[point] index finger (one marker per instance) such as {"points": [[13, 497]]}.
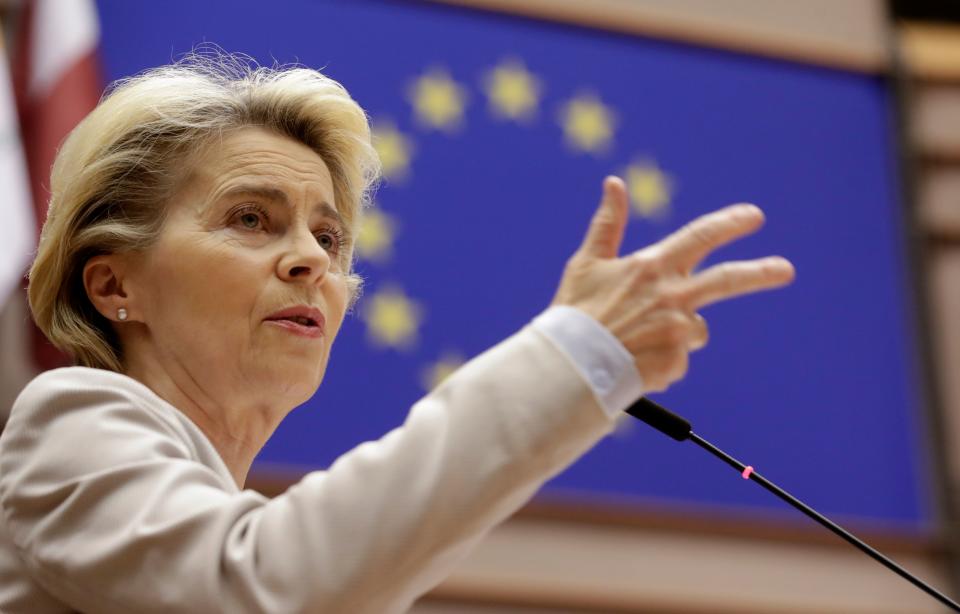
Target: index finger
{"points": [[687, 247]]}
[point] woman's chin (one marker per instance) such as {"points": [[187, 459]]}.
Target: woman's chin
{"points": [[294, 384]]}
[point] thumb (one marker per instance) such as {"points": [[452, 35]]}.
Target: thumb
{"points": [[607, 226]]}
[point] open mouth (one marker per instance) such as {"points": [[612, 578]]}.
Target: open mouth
{"points": [[304, 320], [299, 325], [301, 320]]}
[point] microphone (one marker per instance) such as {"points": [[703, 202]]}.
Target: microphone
{"points": [[679, 429]]}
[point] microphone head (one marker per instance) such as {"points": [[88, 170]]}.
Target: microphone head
{"points": [[662, 419]]}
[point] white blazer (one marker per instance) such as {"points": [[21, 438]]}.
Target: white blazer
{"points": [[113, 501]]}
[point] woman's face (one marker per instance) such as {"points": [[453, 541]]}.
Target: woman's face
{"points": [[253, 231]]}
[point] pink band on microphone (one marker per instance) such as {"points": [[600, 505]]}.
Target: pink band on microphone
{"points": [[746, 472]]}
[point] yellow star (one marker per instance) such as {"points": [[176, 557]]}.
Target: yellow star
{"points": [[394, 149], [392, 319], [650, 189], [377, 232], [438, 101], [513, 93], [587, 124], [433, 376]]}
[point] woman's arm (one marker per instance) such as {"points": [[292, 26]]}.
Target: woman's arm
{"points": [[112, 513]]}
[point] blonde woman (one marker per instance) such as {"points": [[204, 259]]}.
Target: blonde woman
{"points": [[196, 263]]}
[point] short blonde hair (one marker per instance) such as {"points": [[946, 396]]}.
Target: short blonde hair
{"points": [[115, 172]]}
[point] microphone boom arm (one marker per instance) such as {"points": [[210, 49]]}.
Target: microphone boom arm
{"points": [[679, 429]]}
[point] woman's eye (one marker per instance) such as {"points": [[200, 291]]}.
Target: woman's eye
{"points": [[330, 240], [250, 220], [326, 241], [250, 217]]}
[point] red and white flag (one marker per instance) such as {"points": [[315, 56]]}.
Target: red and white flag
{"points": [[57, 81], [17, 233]]}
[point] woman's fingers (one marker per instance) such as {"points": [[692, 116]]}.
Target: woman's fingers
{"points": [[700, 335], [662, 359], [661, 366], [605, 232], [731, 279], [667, 328], [649, 300], [685, 248]]}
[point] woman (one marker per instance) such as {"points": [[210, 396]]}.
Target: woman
{"points": [[196, 262]]}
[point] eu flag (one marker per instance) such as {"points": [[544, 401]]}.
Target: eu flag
{"points": [[495, 133]]}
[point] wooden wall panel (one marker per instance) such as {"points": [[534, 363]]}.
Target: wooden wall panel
{"points": [[938, 204], [850, 34], [935, 121], [944, 275], [564, 567], [931, 52]]}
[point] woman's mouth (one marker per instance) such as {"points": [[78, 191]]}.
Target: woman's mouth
{"points": [[302, 320], [298, 328]]}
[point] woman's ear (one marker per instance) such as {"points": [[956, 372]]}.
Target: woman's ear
{"points": [[103, 278]]}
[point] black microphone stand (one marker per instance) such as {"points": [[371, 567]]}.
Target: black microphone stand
{"points": [[679, 429]]}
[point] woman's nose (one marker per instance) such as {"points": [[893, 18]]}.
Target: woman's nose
{"points": [[305, 261]]}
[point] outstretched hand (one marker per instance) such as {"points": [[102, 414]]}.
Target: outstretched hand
{"points": [[649, 299]]}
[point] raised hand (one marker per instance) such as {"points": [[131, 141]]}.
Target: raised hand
{"points": [[649, 299]]}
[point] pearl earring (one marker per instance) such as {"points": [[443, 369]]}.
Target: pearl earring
{"points": [[121, 314]]}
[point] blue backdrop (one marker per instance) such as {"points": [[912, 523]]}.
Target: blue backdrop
{"points": [[496, 132]]}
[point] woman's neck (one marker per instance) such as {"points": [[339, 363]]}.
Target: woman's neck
{"points": [[237, 427]]}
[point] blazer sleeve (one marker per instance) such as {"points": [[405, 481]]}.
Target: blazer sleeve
{"points": [[111, 512]]}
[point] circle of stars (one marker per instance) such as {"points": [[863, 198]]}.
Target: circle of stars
{"points": [[439, 103]]}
